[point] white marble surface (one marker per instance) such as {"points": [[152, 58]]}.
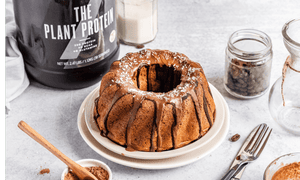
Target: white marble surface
{"points": [[199, 29]]}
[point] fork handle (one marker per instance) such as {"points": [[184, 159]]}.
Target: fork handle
{"points": [[239, 172], [235, 178], [229, 174], [232, 171]]}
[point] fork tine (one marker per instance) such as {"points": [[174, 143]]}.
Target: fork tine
{"points": [[259, 139], [264, 143], [250, 144]]}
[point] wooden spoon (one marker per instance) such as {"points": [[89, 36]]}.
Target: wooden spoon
{"points": [[80, 171]]}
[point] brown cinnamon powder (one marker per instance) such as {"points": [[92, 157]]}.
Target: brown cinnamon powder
{"points": [[97, 171], [288, 172], [71, 176], [46, 170]]}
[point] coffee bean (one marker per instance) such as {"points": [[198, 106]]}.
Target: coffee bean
{"points": [[241, 81], [235, 137], [251, 86], [244, 85], [246, 78], [244, 90]]}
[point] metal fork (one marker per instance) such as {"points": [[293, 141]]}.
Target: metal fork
{"points": [[250, 150]]}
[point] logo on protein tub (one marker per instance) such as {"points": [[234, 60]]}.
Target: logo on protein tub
{"points": [[88, 24]]}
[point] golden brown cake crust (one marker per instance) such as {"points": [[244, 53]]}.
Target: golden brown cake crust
{"points": [[168, 102]]}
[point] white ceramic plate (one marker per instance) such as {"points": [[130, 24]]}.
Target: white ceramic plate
{"points": [[92, 126], [153, 164]]}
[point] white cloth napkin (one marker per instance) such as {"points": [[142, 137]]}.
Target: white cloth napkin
{"points": [[16, 80]]}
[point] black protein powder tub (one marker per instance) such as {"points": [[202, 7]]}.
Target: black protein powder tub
{"points": [[67, 44]]}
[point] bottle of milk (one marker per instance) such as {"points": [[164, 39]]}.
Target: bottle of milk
{"points": [[136, 21]]}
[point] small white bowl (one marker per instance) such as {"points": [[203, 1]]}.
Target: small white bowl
{"points": [[89, 163]]}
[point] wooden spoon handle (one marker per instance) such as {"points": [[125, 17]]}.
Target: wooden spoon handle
{"points": [[40, 139], [79, 170]]}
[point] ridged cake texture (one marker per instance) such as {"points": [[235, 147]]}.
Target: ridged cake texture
{"points": [[154, 100]]}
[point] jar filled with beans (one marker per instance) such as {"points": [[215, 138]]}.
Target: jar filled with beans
{"points": [[248, 63]]}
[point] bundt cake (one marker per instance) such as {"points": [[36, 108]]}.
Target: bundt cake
{"points": [[154, 100]]}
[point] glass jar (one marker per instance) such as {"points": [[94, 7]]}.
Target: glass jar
{"points": [[136, 21], [248, 63], [284, 98]]}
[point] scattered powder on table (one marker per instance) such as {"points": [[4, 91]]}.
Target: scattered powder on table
{"points": [[46, 170], [97, 171]]}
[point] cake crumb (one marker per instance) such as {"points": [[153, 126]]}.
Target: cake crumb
{"points": [[46, 170], [140, 46], [97, 171]]}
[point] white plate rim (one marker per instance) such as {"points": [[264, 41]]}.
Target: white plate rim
{"points": [[89, 107], [154, 164]]}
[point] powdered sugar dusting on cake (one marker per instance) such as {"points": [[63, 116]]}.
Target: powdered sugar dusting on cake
{"points": [[133, 61]]}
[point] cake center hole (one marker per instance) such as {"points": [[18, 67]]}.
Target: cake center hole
{"points": [[156, 78]]}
